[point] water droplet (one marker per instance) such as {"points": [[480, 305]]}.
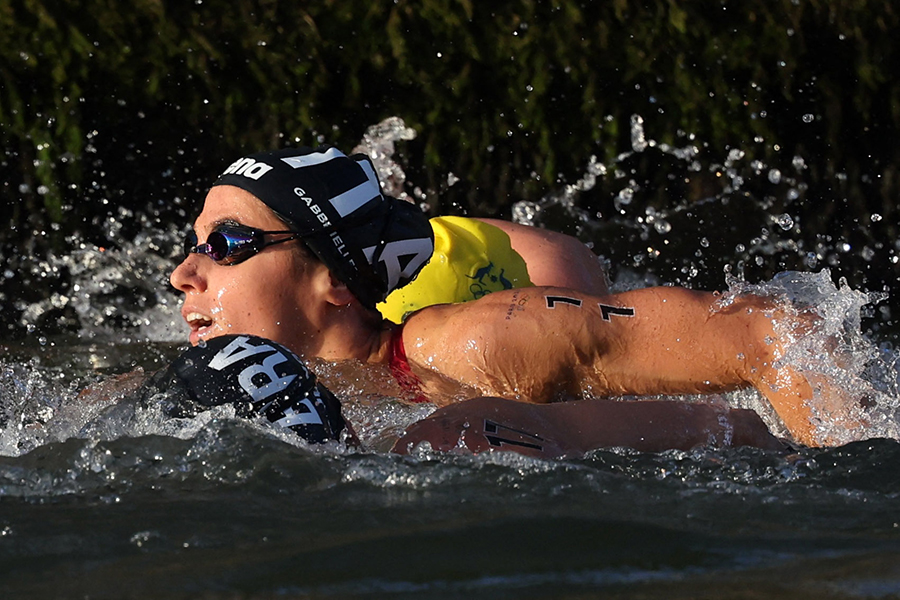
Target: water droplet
{"points": [[623, 198], [784, 221], [808, 118], [638, 140]]}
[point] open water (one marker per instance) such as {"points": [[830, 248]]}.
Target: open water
{"points": [[99, 499]]}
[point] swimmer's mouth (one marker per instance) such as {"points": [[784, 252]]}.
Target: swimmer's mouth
{"points": [[198, 321]]}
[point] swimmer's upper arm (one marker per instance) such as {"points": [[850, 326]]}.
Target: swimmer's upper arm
{"points": [[555, 259], [648, 341], [537, 344]]}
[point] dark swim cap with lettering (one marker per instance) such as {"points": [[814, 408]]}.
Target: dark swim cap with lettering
{"points": [[373, 243], [257, 376]]}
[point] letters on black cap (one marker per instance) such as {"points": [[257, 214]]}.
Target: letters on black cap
{"points": [[257, 376], [373, 243]]}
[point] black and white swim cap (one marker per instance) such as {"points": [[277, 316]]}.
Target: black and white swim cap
{"points": [[258, 377], [373, 243]]}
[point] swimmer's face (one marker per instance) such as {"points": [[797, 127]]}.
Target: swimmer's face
{"points": [[271, 294]]}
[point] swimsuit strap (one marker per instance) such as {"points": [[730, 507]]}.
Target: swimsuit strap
{"points": [[401, 370]]}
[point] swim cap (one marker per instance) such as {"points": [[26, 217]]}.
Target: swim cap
{"points": [[258, 377], [373, 243], [471, 259]]}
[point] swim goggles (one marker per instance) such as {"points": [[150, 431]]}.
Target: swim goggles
{"points": [[232, 244]]}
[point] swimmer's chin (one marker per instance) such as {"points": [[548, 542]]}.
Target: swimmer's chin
{"points": [[204, 333]]}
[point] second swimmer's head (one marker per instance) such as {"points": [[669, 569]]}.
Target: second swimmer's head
{"points": [[372, 243]]}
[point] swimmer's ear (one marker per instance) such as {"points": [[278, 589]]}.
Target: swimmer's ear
{"points": [[338, 293]]}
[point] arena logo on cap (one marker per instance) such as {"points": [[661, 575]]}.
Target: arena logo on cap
{"points": [[248, 167]]}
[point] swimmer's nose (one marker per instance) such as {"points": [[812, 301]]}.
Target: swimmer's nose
{"points": [[186, 277]]}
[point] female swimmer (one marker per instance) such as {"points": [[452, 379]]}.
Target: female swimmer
{"points": [[300, 245]]}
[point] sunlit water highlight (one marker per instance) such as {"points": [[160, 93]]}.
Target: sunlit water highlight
{"points": [[97, 494]]}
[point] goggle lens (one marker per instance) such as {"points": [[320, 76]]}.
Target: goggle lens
{"points": [[230, 245]]}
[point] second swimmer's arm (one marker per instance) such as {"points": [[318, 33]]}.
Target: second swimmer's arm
{"points": [[569, 429]]}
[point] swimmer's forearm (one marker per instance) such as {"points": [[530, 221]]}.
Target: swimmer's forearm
{"points": [[113, 388], [680, 342], [573, 428], [692, 345]]}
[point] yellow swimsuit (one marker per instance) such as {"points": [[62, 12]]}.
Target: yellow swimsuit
{"points": [[470, 259]]}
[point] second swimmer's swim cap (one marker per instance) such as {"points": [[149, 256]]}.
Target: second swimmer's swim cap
{"points": [[256, 376], [373, 243]]}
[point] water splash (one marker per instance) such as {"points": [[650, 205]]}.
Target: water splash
{"points": [[647, 210], [856, 391], [120, 293], [379, 144]]}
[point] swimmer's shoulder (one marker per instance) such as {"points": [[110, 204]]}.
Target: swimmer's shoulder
{"points": [[448, 332]]}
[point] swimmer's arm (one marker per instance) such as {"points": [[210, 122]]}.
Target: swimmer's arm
{"points": [[570, 429], [113, 388], [537, 343], [680, 341], [555, 259], [663, 340]]}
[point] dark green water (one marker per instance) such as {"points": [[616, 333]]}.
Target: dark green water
{"points": [[154, 517]]}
